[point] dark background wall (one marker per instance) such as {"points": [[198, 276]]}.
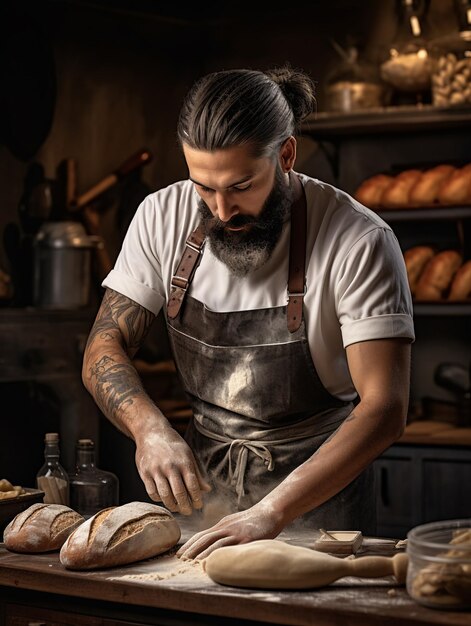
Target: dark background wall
{"points": [[121, 70]]}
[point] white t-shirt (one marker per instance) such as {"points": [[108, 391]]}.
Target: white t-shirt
{"points": [[356, 282]]}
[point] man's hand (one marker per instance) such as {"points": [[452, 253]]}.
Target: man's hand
{"points": [[169, 471], [258, 522]]}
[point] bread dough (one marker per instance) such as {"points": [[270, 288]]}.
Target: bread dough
{"points": [[274, 564]]}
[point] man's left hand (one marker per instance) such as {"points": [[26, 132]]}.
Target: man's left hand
{"points": [[258, 522]]}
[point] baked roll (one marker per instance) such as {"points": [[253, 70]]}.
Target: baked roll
{"points": [[416, 259], [438, 275], [425, 191], [461, 286], [397, 194], [457, 188], [370, 191]]}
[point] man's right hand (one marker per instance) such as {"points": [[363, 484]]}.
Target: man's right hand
{"points": [[169, 470]]}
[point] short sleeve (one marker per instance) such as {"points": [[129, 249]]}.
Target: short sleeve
{"points": [[373, 298], [137, 272]]}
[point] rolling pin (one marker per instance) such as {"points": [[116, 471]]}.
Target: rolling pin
{"points": [[274, 564]]}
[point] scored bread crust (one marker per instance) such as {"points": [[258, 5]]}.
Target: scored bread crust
{"points": [[461, 286], [438, 275], [41, 528], [121, 535]]}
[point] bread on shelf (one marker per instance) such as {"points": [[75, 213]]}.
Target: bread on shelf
{"points": [[441, 185], [397, 193], [457, 188], [425, 191], [370, 191], [461, 285], [416, 259], [437, 275]]}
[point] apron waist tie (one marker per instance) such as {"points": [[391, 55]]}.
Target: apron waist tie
{"points": [[237, 474]]}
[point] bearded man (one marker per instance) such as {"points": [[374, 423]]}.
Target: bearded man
{"points": [[289, 315]]}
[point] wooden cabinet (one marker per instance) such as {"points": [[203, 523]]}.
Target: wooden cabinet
{"points": [[419, 484]]}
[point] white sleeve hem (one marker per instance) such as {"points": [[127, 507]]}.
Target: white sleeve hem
{"points": [[134, 290], [378, 327]]}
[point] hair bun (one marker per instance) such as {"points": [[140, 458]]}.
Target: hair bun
{"points": [[298, 89]]}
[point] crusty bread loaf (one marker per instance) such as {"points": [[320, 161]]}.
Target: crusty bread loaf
{"points": [[397, 194], [457, 188], [120, 535], [461, 286], [370, 191], [425, 191], [41, 528], [416, 259], [438, 275]]}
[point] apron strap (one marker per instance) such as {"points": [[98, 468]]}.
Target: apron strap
{"points": [[194, 246], [185, 271], [297, 257]]}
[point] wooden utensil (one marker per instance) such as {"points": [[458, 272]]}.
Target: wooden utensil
{"points": [[274, 564]]}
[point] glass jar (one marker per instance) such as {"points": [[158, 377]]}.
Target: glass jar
{"points": [[52, 477], [439, 571], [91, 489], [354, 85], [408, 67], [451, 78]]}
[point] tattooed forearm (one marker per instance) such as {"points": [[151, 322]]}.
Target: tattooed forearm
{"points": [[116, 385], [120, 314], [108, 373]]}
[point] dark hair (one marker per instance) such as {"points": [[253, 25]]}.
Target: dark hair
{"points": [[236, 107]]}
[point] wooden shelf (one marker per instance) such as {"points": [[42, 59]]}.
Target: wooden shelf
{"points": [[425, 214], [386, 120], [442, 309]]}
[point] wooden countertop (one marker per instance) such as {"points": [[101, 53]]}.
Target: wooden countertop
{"points": [[434, 432], [169, 583]]}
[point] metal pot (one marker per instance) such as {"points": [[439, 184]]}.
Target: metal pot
{"points": [[62, 265]]}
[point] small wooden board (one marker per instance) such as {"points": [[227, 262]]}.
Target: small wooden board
{"points": [[344, 542]]}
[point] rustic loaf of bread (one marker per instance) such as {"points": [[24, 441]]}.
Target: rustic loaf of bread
{"points": [[370, 191], [461, 286], [438, 275], [120, 535], [457, 188], [425, 191], [397, 194], [41, 528]]}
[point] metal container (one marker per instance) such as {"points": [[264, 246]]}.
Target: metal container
{"points": [[62, 265]]}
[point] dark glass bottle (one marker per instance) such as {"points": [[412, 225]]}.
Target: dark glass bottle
{"points": [[91, 489], [52, 477]]}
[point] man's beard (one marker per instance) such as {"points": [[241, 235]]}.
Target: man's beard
{"points": [[247, 250]]}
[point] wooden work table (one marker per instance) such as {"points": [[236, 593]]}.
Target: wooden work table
{"points": [[37, 589]]}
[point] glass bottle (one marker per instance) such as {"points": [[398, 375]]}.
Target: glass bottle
{"points": [[408, 68], [91, 489], [52, 477]]}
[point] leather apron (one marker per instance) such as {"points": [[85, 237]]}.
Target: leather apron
{"points": [[260, 409]]}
